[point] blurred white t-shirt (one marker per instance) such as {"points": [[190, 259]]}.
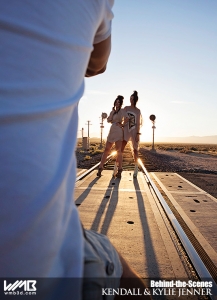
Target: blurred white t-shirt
{"points": [[45, 47]]}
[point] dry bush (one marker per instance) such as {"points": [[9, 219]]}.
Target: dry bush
{"points": [[98, 151], [87, 157]]}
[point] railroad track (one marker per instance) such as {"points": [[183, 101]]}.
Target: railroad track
{"points": [[201, 266], [128, 161]]}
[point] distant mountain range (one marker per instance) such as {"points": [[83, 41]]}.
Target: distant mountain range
{"points": [[189, 139]]}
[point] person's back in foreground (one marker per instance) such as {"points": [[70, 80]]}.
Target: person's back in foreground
{"points": [[44, 53]]}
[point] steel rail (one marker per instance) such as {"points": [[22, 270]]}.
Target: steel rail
{"points": [[198, 264], [94, 167]]}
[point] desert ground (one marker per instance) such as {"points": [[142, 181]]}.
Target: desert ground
{"points": [[197, 163]]}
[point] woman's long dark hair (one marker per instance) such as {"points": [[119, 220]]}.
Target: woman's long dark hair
{"points": [[135, 97], [121, 99]]}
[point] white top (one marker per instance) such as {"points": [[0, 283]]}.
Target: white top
{"points": [[45, 47], [133, 125]]}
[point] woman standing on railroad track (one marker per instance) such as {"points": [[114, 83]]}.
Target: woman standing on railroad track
{"points": [[132, 128], [118, 117]]}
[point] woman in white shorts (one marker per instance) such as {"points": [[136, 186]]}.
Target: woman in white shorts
{"points": [[118, 118]]}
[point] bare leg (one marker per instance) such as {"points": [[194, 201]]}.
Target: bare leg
{"points": [[105, 153], [136, 162], [118, 146], [123, 145], [136, 155]]}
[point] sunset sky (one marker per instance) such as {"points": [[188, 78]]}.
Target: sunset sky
{"points": [[167, 51]]}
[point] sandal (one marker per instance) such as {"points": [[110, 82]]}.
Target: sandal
{"points": [[135, 171], [99, 172], [118, 175]]}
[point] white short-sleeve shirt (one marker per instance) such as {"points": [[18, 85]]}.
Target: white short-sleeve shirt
{"points": [[45, 47]]}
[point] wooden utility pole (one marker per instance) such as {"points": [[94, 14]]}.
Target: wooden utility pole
{"points": [[88, 129]]}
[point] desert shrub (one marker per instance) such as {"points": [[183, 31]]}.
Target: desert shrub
{"points": [[178, 148], [98, 151], [92, 149], [87, 157], [161, 148], [186, 151], [193, 148]]}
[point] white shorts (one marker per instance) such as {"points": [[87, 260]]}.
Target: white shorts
{"points": [[102, 266]]}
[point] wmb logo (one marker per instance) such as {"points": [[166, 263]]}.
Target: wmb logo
{"points": [[28, 287]]}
